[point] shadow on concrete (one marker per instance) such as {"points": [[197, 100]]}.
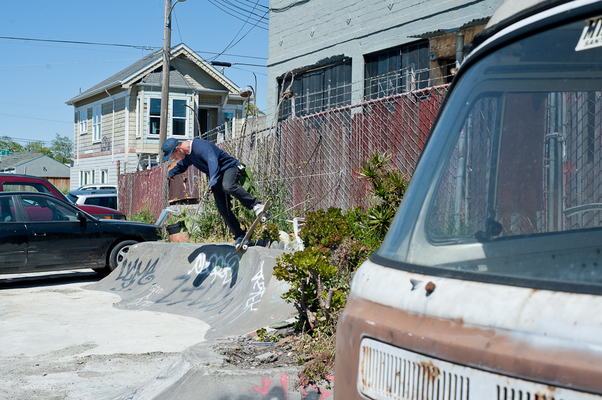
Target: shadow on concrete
{"points": [[42, 279]]}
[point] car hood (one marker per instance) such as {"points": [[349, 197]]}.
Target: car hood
{"points": [[134, 229]]}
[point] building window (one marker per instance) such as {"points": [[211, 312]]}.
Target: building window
{"points": [[83, 122], [396, 70], [138, 113], [316, 88], [104, 176], [86, 177], [96, 120], [154, 112], [179, 118]]}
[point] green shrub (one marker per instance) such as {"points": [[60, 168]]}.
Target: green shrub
{"points": [[325, 228], [143, 216]]}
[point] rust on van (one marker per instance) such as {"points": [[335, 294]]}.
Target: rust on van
{"points": [[492, 350]]}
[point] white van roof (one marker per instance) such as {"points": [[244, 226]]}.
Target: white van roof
{"points": [[510, 8]]}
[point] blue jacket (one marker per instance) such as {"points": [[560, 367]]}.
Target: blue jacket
{"points": [[208, 158]]}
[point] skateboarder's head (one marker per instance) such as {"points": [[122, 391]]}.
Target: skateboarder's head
{"points": [[170, 149]]}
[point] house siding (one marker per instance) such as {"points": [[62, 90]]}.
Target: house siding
{"points": [[109, 162], [318, 29], [125, 110]]}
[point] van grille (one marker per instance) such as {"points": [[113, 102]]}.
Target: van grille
{"points": [[504, 393], [391, 373], [393, 376]]}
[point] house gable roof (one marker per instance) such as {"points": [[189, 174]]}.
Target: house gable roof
{"points": [[14, 160], [147, 65]]}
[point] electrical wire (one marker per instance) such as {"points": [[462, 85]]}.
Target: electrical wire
{"points": [[235, 16], [258, 5], [246, 70], [77, 42], [286, 8], [231, 55], [244, 10], [148, 48], [230, 45]]}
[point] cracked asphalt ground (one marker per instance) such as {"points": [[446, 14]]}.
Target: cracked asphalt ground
{"points": [[60, 341]]}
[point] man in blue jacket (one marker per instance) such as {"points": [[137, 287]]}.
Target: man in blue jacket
{"points": [[223, 171]]}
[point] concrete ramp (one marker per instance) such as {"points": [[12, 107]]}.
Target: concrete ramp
{"points": [[233, 293]]}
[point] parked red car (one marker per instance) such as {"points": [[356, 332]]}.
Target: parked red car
{"points": [[29, 183]]}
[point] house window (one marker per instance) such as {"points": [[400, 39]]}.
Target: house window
{"points": [[83, 122], [86, 177], [179, 118], [96, 120], [154, 116], [104, 176], [138, 111], [396, 70], [317, 88]]}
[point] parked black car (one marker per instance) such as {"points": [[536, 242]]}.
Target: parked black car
{"points": [[39, 232]]}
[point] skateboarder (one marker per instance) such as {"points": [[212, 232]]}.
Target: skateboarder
{"points": [[223, 171]]}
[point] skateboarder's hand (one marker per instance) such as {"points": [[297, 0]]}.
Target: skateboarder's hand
{"points": [[211, 190]]}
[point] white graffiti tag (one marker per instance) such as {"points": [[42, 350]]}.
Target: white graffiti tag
{"points": [[222, 269], [200, 263], [144, 301], [258, 284], [256, 296]]}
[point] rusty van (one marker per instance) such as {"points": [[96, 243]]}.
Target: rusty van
{"points": [[488, 284]]}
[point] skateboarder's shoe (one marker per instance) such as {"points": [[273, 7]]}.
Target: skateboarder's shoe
{"points": [[258, 209], [239, 241]]}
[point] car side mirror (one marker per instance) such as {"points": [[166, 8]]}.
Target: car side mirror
{"points": [[80, 216]]}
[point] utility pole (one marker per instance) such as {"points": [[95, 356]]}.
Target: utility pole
{"points": [[165, 77]]}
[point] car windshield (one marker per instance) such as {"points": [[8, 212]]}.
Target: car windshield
{"points": [[510, 184]]}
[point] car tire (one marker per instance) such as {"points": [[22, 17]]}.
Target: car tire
{"points": [[118, 253]]}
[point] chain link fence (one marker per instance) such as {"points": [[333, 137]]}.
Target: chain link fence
{"points": [[534, 169], [312, 161]]}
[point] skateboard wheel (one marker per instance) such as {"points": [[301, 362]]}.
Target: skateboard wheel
{"points": [[245, 247], [263, 219]]}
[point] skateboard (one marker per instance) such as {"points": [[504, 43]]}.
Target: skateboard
{"points": [[260, 218]]}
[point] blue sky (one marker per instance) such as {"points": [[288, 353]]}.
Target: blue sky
{"points": [[37, 78]]}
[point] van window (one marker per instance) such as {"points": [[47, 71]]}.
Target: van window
{"points": [[517, 195]]}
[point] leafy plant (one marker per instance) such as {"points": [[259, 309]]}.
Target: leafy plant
{"points": [[143, 216], [325, 228], [311, 276], [388, 187]]}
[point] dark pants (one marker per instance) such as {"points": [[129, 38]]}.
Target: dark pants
{"points": [[227, 187]]}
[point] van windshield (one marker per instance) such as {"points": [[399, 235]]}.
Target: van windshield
{"points": [[510, 185]]}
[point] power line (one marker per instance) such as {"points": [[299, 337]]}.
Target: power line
{"points": [[230, 45], [246, 70], [149, 48], [258, 5], [38, 119], [26, 140], [251, 65], [238, 41], [78, 42], [235, 16], [244, 10], [231, 55], [286, 8], [70, 63]]}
